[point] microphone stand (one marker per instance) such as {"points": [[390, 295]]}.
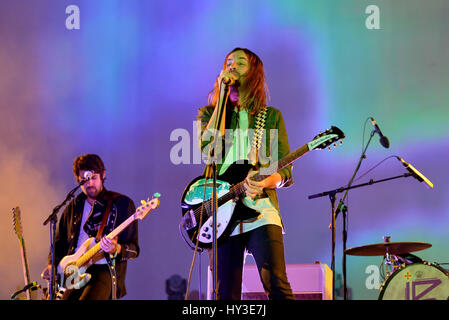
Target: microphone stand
{"points": [[343, 208], [331, 195], [211, 170], [53, 218]]}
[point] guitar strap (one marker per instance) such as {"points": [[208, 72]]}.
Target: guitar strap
{"points": [[105, 218], [257, 138], [255, 145]]}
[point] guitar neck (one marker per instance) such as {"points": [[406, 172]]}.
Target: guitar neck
{"points": [[239, 189], [26, 271], [288, 159], [96, 248], [285, 161], [319, 142]]}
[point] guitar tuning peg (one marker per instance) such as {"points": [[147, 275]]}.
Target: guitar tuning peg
{"points": [[329, 148], [341, 141], [143, 202], [335, 144]]}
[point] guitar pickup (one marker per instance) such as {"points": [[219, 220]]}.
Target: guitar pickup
{"points": [[189, 220]]}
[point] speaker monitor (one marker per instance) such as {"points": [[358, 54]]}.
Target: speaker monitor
{"points": [[308, 282]]}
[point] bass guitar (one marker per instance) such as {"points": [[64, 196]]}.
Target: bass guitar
{"points": [[196, 202], [71, 271]]}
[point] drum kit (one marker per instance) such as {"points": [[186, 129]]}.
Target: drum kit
{"points": [[408, 277]]}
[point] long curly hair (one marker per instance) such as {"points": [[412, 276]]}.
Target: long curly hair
{"points": [[254, 92]]}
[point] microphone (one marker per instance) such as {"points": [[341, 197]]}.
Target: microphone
{"points": [[418, 175], [228, 81], [87, 176], [383, 139]]}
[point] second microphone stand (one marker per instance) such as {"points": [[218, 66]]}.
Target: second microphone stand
{"points": [[341, 207]]}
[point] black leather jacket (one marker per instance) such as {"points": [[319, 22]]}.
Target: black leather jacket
{"points": [[68, 231]]}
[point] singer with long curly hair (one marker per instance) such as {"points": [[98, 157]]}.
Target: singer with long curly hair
{"points": [[262, 234]]}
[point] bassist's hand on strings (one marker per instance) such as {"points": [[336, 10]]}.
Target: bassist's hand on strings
{"points": [[110, 245]]}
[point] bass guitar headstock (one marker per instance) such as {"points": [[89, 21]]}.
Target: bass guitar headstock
{"points": [[146, 206]]}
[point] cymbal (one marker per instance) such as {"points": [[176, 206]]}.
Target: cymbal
{"points": [[380, 249]]}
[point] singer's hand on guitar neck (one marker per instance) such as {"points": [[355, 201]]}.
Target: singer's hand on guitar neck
{"points": [[255, 188]]}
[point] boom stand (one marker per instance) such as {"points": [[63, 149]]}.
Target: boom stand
{"points": [[53, 218], [342, 207]]}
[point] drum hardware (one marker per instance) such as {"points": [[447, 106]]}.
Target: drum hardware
{"points": [[408, 277], [390, 260], [395, 248], [395, 253], [391, 264], [408, 258]]}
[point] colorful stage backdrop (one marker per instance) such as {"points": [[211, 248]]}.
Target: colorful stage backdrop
{"points": [[117, 78]]}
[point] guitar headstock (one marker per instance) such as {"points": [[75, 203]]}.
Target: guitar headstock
{"points": [[326, 138], [146, 206], [16, 217]]}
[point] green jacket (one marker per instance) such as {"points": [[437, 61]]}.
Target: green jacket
{"points": [[274, 120]]}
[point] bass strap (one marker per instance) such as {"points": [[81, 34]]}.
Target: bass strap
{"points": [[105, 217]]}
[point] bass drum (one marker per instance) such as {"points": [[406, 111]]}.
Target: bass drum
{"points": [[416, 281]]}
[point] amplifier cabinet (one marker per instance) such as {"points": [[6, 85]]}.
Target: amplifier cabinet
{"points": [[308, 282]]}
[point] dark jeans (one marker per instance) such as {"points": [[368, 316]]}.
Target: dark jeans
{"points": [[99, 286], [267, 247]]}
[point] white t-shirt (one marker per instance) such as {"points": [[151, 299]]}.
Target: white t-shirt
{"points": [[83, 236], [239, 151]]}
